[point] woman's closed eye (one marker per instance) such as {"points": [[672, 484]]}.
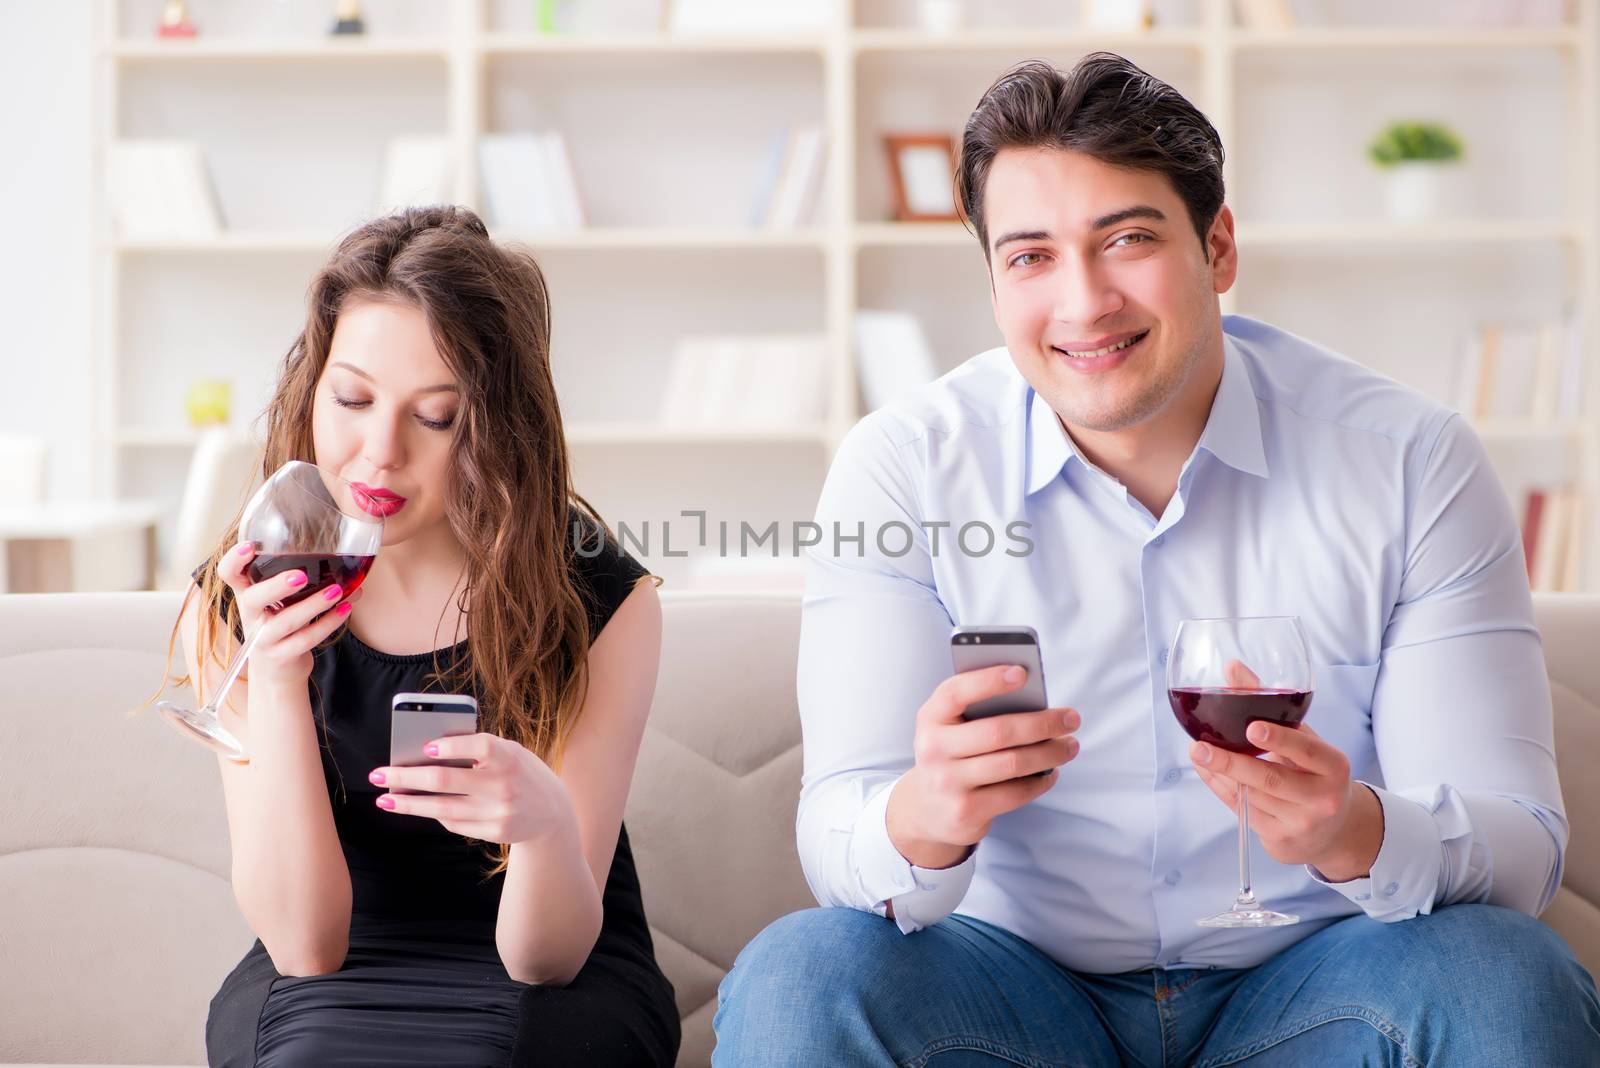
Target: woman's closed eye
{"points": [[357, 404]]}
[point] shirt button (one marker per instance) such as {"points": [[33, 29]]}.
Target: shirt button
{"points": [[1363, 897], [1389, 891], [1173, 877], [1158, 540], [1162, 656], [1172, 776]]}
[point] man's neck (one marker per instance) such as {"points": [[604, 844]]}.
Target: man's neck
{"points": [[1148, 457]]}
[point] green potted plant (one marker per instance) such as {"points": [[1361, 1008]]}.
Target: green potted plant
{"points": [[1414, 156]]}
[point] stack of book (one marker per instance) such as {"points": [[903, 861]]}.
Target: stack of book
{"points": [[791, 179], [1523, 372], [1552, 538], [528, 182], [757, 382]]}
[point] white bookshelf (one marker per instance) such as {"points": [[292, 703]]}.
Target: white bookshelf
{"points": [[668, 133]]}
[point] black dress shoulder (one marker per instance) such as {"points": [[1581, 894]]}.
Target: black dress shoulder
{"points": [[422, 983]]}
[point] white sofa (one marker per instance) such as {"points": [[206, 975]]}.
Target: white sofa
{"points": [[116, 920]]}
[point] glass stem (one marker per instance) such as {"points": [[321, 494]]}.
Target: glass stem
{"points": [[234, 670], [1245, 896]]}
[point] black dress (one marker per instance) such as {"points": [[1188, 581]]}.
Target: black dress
{"points": [[423, 983]]}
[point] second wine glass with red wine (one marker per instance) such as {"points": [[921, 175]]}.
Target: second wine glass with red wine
{"points": [[1222, 676], [304, 518]]}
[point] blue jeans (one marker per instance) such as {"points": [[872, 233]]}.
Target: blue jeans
{"points": [[1469, 985]]}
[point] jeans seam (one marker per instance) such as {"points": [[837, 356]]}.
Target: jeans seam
{"points": [[1347, 1012], [982, 1045]]}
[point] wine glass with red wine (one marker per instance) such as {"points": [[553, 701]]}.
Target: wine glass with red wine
{"points": [[301, 518], [1222, 676]]}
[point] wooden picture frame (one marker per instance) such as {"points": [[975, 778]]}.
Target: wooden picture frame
{"points": [[922, 172]]}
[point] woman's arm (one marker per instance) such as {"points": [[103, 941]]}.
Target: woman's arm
{"points": [[289, 873], [550, 907]]}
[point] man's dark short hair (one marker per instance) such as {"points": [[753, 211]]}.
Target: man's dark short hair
{"points": [[1104, 107]]}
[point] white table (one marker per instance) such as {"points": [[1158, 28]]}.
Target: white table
{"points": [[62, 546]]}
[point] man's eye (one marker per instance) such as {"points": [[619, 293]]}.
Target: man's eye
{"points": [[1027, 259], [1131, 237]]}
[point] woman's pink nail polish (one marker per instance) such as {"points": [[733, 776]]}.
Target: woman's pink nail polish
{"points": [[247, 548], [333, 592], [344, 609], [376, 778], [431, 750], [386, 802], [297, 578]]}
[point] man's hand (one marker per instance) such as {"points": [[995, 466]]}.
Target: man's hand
{"points": [[1303, 803], [966, 774]]}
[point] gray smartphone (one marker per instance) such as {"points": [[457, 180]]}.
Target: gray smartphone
{"points": [[419, 718], [972, 648]]}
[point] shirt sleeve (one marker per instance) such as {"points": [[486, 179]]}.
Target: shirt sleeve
{"points": [[874, 643], [1461, 712]]}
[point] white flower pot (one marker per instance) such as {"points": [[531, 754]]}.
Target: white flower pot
{"points": [[1419, 190]]}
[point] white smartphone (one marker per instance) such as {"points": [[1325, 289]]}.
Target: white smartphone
{"points": [[972, 648], [419, 718]]}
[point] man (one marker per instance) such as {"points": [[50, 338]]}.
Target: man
{"points": [[1167, 464]]}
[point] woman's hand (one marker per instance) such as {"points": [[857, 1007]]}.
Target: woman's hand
{"points": [[283, 652], [509, 795]]}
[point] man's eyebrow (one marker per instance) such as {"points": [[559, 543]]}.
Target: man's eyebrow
{"points": [[353, 369], [1138, 211]]}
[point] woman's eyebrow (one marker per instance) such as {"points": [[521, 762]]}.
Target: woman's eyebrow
{"points": [[353, 369]]}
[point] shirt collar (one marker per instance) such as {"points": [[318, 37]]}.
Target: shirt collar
{"points": [[1232, 433]]}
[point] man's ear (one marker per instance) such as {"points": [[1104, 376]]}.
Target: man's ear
{"points": [[1223, 251]]}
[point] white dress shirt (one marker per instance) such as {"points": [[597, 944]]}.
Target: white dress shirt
{"points": [[1318, 489]]}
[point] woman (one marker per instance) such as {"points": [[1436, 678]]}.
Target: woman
{"points": [[504, 925]]}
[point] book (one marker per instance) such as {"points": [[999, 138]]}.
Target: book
{"points": [[161, 189], [1265, 14], [892, 355], [528, 182], [1549, 554], [794, 199], [756, 382], [747, 16], [417, 170], [1532, 514], [1525, 372], [768, 177]]}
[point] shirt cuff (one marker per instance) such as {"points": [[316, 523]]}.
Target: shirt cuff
{"points": [[921, 896], [1404, 879]]}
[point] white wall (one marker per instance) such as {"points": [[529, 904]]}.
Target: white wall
{"points": [[45, 297]]}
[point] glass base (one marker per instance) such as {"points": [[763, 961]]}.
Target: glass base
{"points": [[204, 727], [1248, 914]]}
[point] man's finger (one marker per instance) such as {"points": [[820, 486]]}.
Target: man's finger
{"points": [[1300, 745], [987, 769], [1263, 810], [993, 733], [1275, 779], [954, 695], [1239, 677]]}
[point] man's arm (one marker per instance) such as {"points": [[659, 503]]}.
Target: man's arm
{"points": [[1461, 711], [871, 640]]}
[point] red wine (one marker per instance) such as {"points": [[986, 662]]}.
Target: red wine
{"points": [[322, 570], [1219, 715]]}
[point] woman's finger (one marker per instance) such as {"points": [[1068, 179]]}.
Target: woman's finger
{"points": [[320, 629], [230, 569], [455, 809]]}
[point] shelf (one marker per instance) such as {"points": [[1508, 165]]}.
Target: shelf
{"points": [[1395, 234], [202, 49], [1424, 39], [675, 239], [582, 434], [244, 242], [506, 44], [912, 235], [1023, 42]]}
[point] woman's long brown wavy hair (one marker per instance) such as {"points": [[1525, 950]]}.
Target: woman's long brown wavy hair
{"points": [[510, 503]]}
